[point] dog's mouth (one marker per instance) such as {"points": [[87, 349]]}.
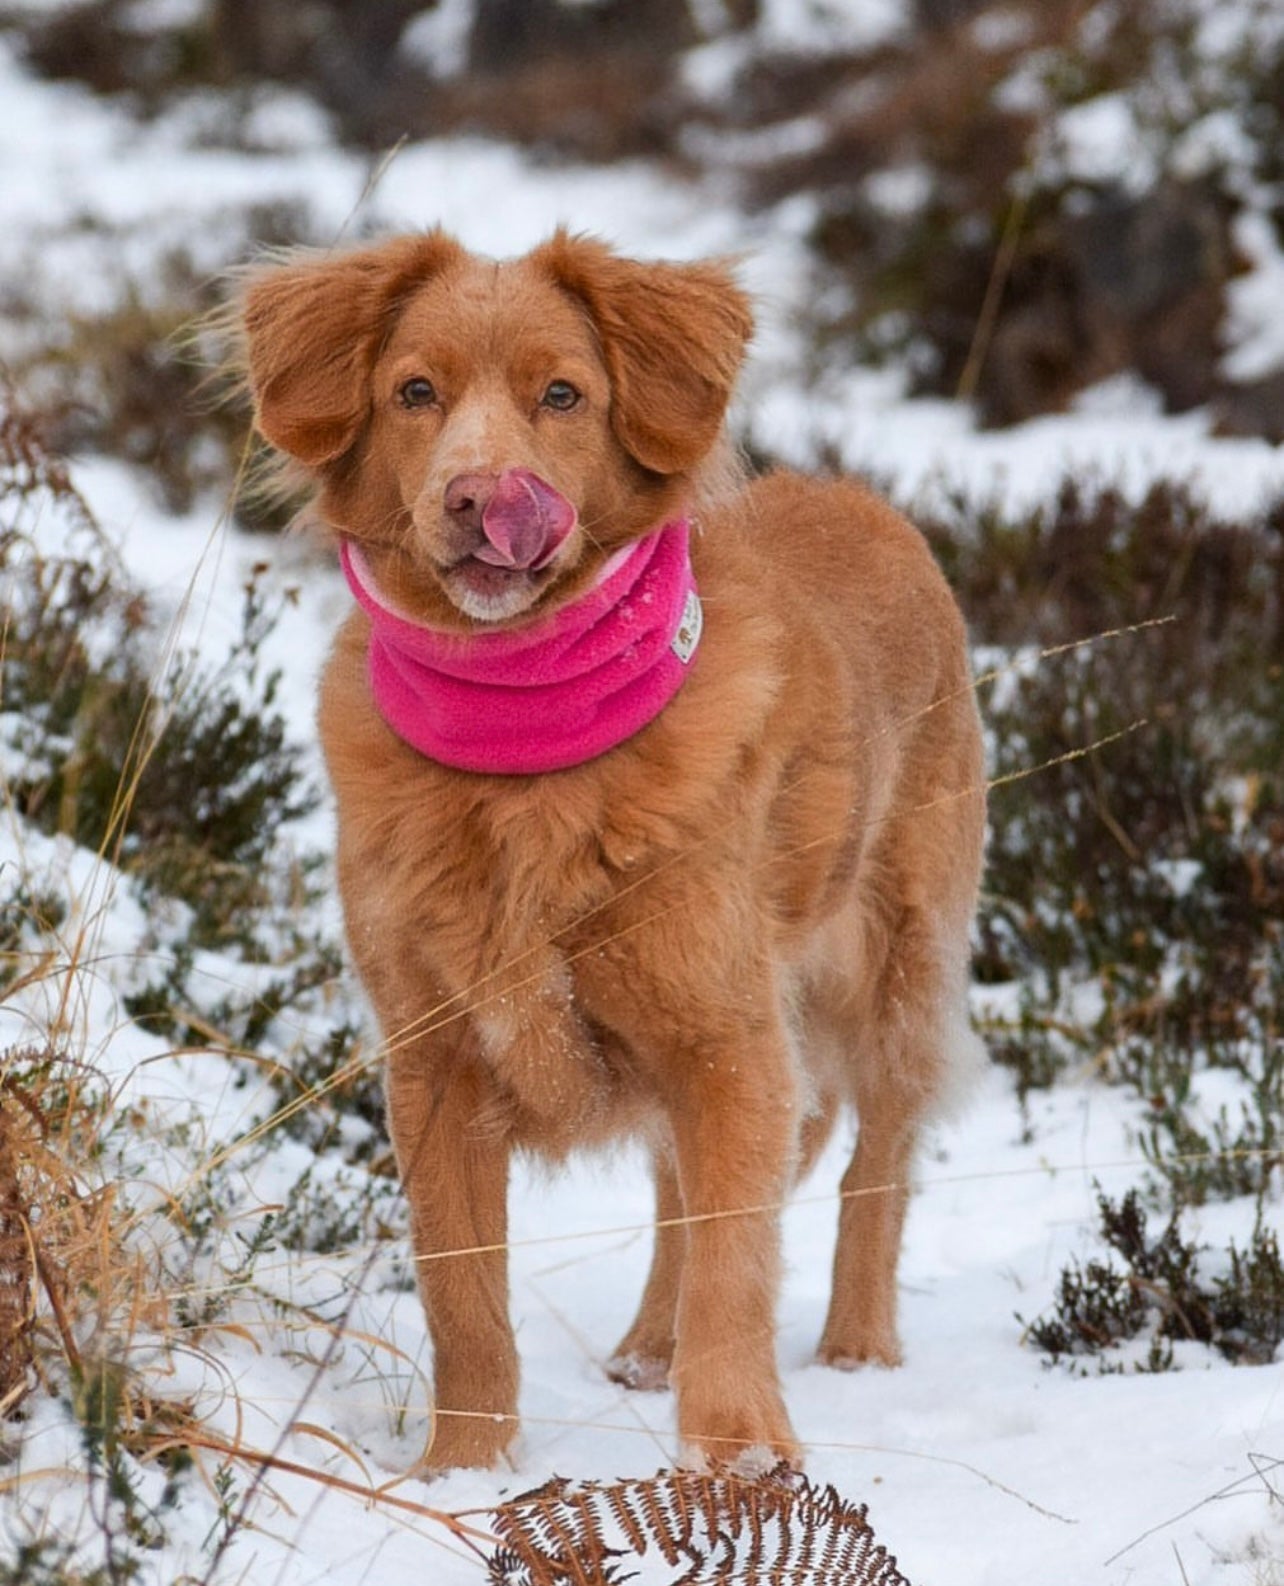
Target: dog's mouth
{"points": [[489, 592], [521, 523]]}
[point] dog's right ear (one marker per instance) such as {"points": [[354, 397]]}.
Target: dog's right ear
{"points": [[313, 327]]}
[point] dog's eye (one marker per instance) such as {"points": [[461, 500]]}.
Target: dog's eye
{"points": [[417, 393], [561, 395]]}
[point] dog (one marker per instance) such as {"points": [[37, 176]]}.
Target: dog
{"points": [[660, 796]]}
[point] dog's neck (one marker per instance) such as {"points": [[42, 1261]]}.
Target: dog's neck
{"points": [[554, 693]]}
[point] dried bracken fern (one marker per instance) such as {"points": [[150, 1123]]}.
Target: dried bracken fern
{"points": [[686, 1529]]}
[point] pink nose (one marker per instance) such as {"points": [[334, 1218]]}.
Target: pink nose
{"points": [[524, 520], [468, 494]]}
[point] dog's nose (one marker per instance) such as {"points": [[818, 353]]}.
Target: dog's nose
{"points": [[468, 495]]}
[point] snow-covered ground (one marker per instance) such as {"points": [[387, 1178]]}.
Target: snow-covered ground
{"points": [[979, 1465]]}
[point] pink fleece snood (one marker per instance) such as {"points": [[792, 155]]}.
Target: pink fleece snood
{"points": [[560, 691]]}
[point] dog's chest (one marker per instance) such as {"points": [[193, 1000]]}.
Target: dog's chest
{"points": [[524, 885], [526, 936]]}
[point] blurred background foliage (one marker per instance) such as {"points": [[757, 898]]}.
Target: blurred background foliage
{"points": [[962, 219]]}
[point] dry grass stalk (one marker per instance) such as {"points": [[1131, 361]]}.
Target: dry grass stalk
{"points": [[70, 1296], [16, 1269], [47, 1221]]}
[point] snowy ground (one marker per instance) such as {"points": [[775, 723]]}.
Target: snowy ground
{"points": [[979, 1465]]}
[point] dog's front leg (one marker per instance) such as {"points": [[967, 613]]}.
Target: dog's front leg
{"points": [[452, 1154], [735, 1137]]}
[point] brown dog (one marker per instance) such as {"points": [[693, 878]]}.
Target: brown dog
{"points": [[710, 926]]}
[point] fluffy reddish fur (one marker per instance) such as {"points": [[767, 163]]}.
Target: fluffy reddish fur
{"points": [[751, 913]]}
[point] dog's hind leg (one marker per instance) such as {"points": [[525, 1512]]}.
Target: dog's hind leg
{"points": [[645, 1353], [861, 1325], [909, 1057]]}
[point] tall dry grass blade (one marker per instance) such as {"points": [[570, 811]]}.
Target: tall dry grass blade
{"points": [[17, 1270]]}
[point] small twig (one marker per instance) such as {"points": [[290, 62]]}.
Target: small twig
{"points": [[1232, 1489], [380, 1497], [999, 273], [371, 183]]}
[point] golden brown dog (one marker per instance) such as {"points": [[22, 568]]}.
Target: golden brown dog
{"points": [[749, 911]]}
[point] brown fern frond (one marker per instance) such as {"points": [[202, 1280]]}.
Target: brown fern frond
{"points": [[687, 1529]]}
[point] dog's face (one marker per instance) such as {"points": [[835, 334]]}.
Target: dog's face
{"points": [[491, 432]]}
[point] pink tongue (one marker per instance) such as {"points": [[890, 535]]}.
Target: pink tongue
{"points": [[524, 521]]}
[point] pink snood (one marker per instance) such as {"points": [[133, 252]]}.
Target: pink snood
{"points": [[563, 690]]}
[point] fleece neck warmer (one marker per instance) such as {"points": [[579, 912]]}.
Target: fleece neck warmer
{"points": [[562, 690]]}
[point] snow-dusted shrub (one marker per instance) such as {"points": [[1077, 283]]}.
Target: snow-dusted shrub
{"points": [[183, 776], [1164, 1293]]}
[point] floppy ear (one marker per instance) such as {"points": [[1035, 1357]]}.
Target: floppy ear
{"points": [[313, 327], [673, 337]]}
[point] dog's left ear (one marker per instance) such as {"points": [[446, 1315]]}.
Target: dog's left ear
{"points": [[673, 337]]}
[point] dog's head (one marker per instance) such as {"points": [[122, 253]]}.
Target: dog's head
{"points": [[490, 432]]}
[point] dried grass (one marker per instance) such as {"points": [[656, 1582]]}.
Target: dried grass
{"points": [[70, 1288]]}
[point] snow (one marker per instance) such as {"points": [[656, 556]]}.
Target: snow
{"points": [[1115, 433], [980, 1466], [438, 38], [1089, 139], [822, 26], [1256, 334]]}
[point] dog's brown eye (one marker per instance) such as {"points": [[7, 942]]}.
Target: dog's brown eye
{"points": [[417, 393], [560, 395]]}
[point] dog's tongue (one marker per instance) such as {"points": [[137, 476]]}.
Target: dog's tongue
{"points": [[524, 521]]}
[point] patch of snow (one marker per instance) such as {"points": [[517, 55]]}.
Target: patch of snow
{"points": [[781, 140], [1182, 875], [1121, 396], [828, 26], [1024, 91], [931, 445], [23, 9], [1101, 141], [1256, 330], [900, 190], [282, 122], [1225, 31], [152, 16], [437, 38], [996, 29], [710, 70], [1216, 141], [632, 205]]}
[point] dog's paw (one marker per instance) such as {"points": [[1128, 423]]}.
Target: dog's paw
{"points": [[754, 1463], [747, 1439], [645, 1373], [478, 1442], [851, 1355]]}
